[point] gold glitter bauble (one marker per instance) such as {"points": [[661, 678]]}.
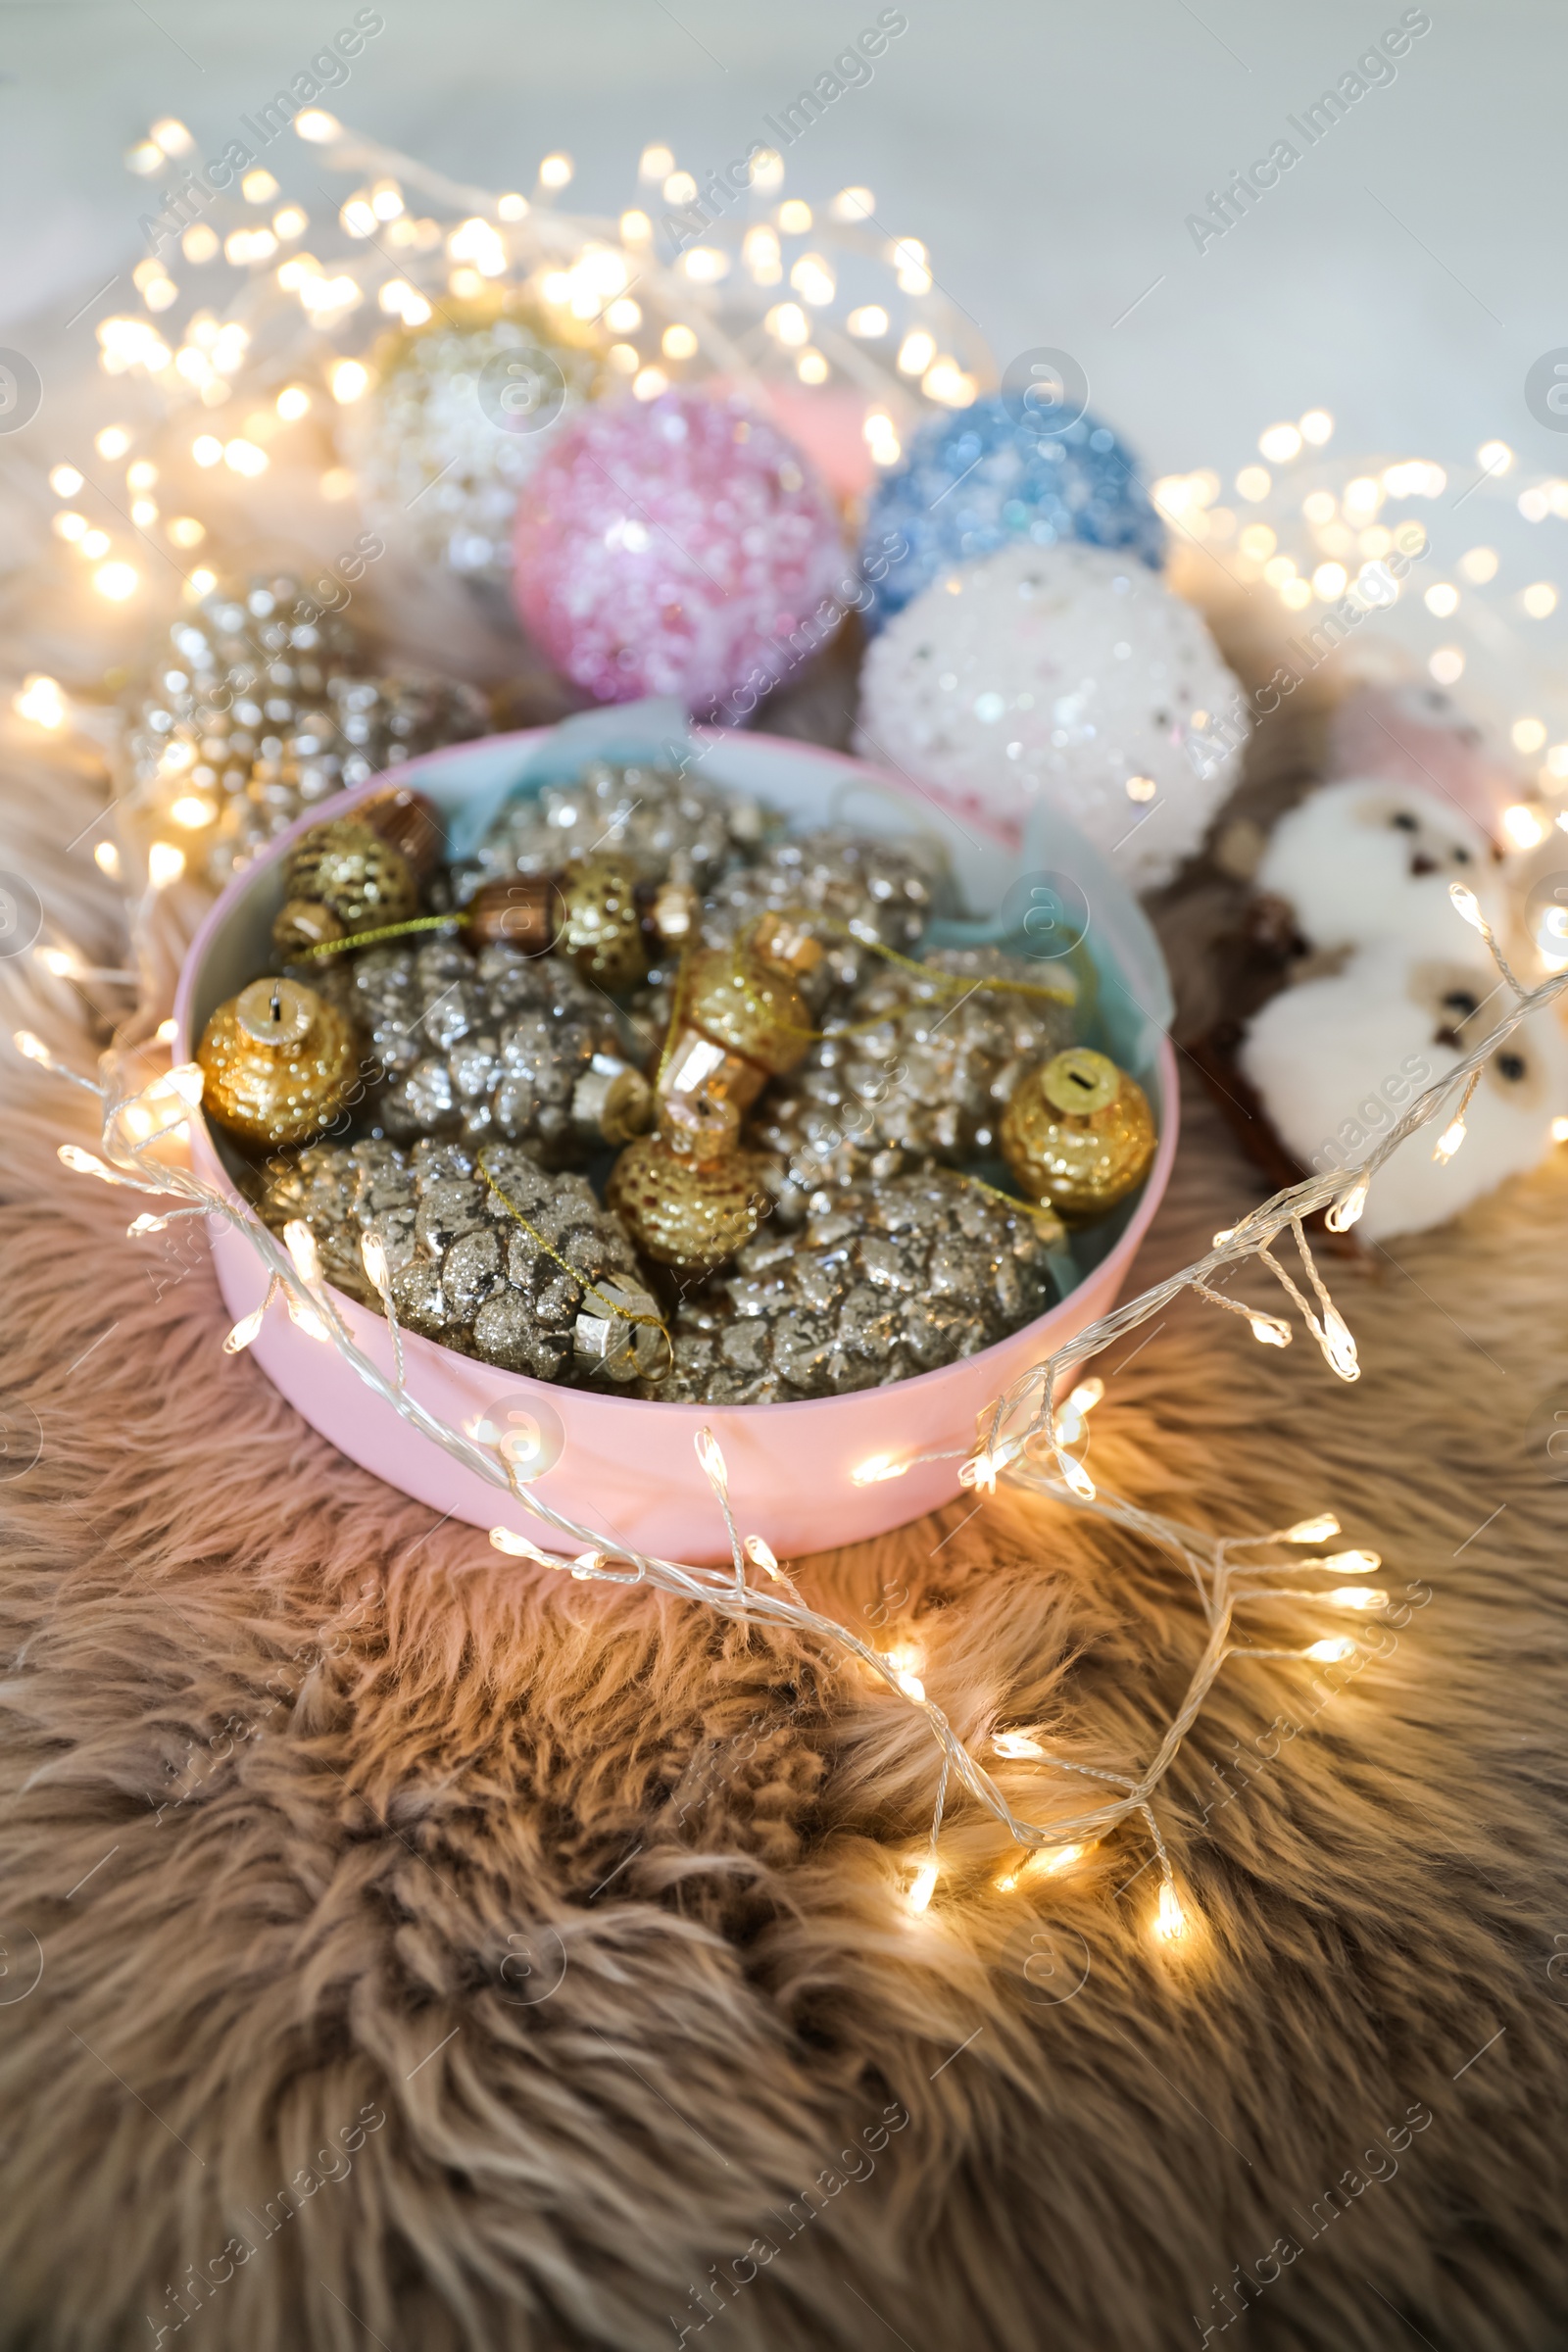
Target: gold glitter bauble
{"points": [[346, 866], [682, 1212], [1078, 1133], [602, 929], [278, 1061]]}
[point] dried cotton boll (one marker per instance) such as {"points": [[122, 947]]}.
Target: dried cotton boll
{"points": [[1338, 1061], [1069, 675], [1366, 860]]}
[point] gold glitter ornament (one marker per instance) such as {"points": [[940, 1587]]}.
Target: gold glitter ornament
{"points": [[348, 867], [741, 1018], [688, 1197], [601, 922], [278, 1062], [1078, 1133]]}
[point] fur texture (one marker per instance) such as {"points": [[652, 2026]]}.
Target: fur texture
{"points": [[317, 1812]]}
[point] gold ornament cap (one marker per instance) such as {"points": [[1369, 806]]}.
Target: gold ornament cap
{"points": [[276, 1014], [782, 943], [702, 1126], [611, 1102], [1079, 1080]]}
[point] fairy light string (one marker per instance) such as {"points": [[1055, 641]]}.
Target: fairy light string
{"points": [[1223, 1579]]}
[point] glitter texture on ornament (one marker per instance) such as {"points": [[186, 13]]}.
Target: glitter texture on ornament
{"points": [[896, 1278], [1064, 674], [975, 482], [438, 458], [673, 546]]}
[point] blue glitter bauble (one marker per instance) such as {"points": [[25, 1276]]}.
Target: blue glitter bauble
{"points": [[977, 480]]}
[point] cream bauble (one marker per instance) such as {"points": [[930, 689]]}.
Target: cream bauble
{"points": [[1066, 674]]}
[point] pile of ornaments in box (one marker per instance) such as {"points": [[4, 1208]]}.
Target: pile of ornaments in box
{"points": [[681, 1107]]}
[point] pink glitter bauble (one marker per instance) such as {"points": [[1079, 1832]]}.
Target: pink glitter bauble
{"points": [[682, 546]]}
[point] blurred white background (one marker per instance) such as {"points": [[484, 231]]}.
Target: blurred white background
{"points": [[1405, 274]]}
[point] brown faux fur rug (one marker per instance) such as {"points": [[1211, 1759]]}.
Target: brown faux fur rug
{"points": [[406, 1947]]}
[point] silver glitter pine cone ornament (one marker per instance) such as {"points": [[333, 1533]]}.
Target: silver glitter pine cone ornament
{"points": [[667, 826], [259, 708], [902, 1276], [929, 1081], [498, 1045], [463, 1271]]}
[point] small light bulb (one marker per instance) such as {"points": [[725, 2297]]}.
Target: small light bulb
{"points": [[165, 864], [32, 1046], [587, 1564], [518, 1547], [244, 1331], [1016, 1743], [875, 1468], [306, 1318], [1270, 1331], [712, 1459], [909, 1683], [372, 1257], [1468, 905], [1312, 1531], [145, 1224], [1339, 1346], [761, 1555], [1449, 1142], [1354, 1563], [1348, 1208], [922, 1887], [1356, 1596], [85, 1163], [300, 1243], [1170, 1920], [1075, 1476], [1332, 1652]]}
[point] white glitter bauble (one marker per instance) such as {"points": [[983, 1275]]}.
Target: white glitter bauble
{"points": [[435, 466], [1066, 674]]}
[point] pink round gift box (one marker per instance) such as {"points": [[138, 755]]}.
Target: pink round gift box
{"points": [[805, 1476]]}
